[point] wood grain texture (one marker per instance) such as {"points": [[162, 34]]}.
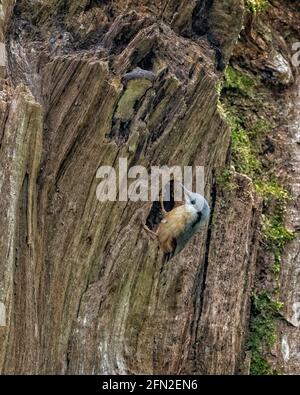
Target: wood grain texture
{"points": [[86, 290]]}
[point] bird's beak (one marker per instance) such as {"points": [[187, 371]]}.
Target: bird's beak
{"points": [[186, 192]]}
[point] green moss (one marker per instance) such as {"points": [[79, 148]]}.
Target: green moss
{"points": [[246, 142], [274, 232], [276, 268], [243, 153], [262, 332], [272, 190], [248, 131], [244, 158], [260, 129], [264, 308], [256, 6], [235, 80], [225, 181], [224, 178], [276, 235]]}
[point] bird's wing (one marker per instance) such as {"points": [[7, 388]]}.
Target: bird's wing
{"points": [[180, 219]]}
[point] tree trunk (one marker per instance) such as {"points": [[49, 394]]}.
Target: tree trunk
{"points": [[85, 289]]}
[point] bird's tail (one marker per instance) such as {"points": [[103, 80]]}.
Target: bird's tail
{"points": [[167, 257]]}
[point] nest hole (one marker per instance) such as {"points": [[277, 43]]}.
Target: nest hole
{"points": [[155, 215]]}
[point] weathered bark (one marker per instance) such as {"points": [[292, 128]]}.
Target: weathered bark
{"points": [[288, 346], [83, 284]]}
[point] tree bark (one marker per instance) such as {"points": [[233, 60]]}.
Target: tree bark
{"points": [[86, 290]]}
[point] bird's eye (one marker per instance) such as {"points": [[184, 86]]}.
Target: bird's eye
{"points": [[193, 201]]}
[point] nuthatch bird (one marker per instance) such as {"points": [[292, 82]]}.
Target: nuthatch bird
{"points": [[180, 224]]}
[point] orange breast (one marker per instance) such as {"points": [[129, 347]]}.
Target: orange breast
{"points": [[174, 224]]}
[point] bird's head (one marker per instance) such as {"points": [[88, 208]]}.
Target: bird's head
{"points": [[197, 201]]}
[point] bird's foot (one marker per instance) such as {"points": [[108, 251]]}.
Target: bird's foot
{"points": [[150, 232]]}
